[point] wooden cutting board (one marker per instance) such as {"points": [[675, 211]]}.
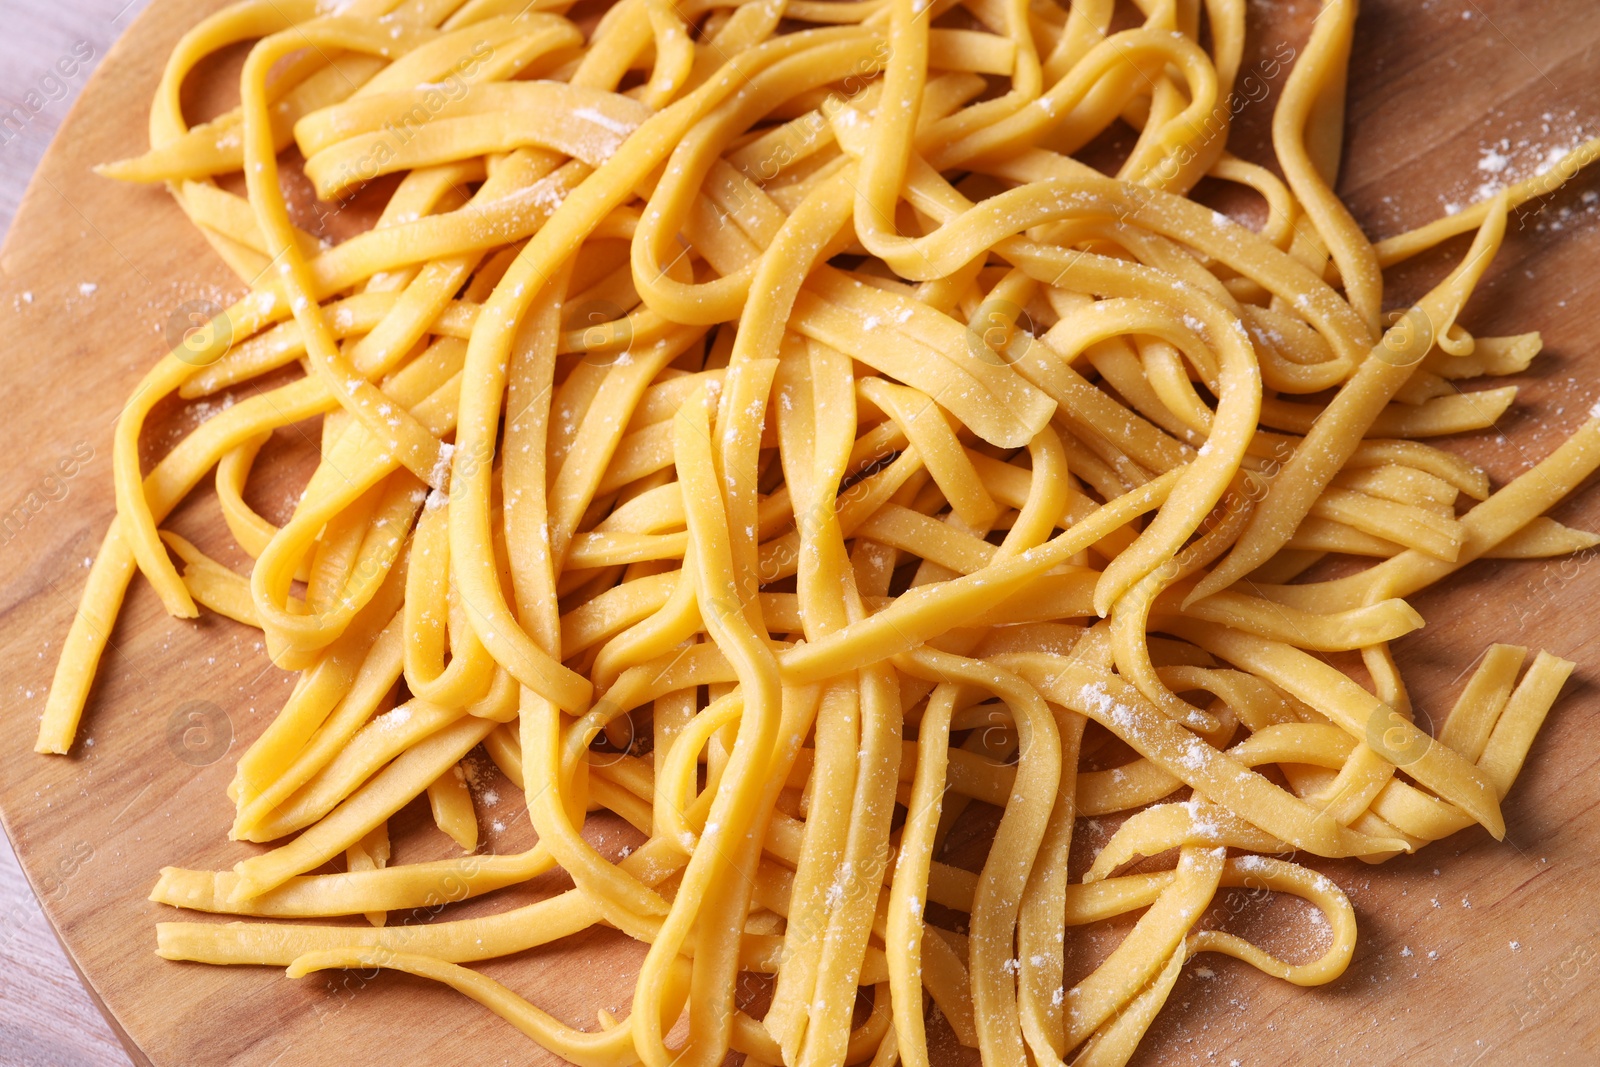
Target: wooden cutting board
{"points": [[1471, 951]]}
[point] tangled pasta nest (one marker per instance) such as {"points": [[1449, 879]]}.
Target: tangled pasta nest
{"points": [[750, 419]]}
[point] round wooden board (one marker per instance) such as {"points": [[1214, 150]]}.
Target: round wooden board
{"points": [[1472, 951]]}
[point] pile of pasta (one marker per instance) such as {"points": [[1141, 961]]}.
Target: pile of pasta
{"points": [[749, 418]]}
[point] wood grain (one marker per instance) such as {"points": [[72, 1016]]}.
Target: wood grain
{"points": [[1471, 951], [46, 1017], [35, 93]]}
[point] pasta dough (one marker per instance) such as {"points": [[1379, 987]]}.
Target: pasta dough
{"points": [[749, 418]]}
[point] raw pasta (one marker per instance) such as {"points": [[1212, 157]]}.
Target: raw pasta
{"points": [[751, 419]]}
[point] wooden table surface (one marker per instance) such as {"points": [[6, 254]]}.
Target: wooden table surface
{"points": [[46, 1018]]}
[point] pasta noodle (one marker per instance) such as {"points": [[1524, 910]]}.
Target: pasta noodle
{"points": [[749, 418]]}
